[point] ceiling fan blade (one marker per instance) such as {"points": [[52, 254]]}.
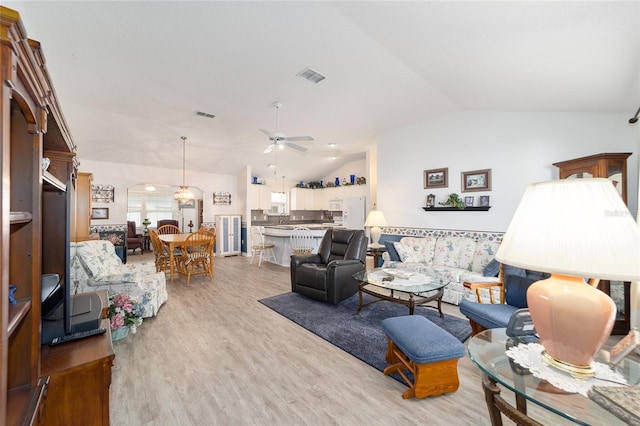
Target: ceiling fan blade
{"points": [[297, 147], [299, 138], [268, 149], [267, 133]]}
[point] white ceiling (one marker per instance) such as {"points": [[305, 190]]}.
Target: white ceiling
{"points": [[131, 75]]}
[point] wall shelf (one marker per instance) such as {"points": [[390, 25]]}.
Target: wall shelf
{"points": [[455, 209]]}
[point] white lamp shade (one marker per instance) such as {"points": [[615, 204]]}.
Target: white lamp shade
{"points": [[375, 218], [578, 227]]}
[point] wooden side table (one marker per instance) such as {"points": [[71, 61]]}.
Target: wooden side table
{"points": [[146, 241], [376, 251]]}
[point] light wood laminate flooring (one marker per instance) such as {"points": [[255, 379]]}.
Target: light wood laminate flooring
{"points": [[214, 355]]}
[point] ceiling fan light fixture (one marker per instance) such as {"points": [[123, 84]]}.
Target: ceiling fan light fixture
{"points": [[311, 75], [183, 194]]}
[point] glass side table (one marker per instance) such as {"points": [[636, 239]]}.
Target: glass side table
{"points": [[487, 351]]}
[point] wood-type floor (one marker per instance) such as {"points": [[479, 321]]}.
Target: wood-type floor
{"points": [[214, 355]]}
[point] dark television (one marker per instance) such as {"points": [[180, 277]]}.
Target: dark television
{"points": [[62, 311]]}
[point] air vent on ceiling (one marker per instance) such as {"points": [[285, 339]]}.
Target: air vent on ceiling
{"points": [[311, 75], [204, 114]]}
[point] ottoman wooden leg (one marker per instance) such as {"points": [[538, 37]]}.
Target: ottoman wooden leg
{"points": [[436, 378], [430, 379]]}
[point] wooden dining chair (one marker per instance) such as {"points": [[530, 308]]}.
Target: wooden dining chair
{"points": [[212, 234], [197, 256], [168, 229], [161, 252]]}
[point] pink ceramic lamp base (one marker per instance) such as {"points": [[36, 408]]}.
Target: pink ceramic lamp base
{"points": [[573, 320]]}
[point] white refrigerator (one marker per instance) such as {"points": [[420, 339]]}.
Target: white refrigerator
{"points": [[353, 212]]}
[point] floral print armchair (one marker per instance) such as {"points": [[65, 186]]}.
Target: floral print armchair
{"points": [[96, 266]]}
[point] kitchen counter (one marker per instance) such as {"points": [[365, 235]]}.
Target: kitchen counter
{"points": [[280, 237]]}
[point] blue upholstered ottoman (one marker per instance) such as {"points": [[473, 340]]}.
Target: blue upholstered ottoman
{"points": [[430, 353]]}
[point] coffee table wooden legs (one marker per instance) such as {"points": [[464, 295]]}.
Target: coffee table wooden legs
{"points": [[498, 406], [411, 302]]}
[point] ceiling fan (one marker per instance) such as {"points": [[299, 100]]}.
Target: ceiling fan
{"points": [[280, 140]]}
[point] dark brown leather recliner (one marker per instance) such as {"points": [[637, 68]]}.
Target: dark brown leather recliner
{"points": [[134, 241], [328, 274]]}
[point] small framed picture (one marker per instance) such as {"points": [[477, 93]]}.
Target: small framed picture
{"points": [[436, 178], [477, 180], [468, 201], [484, 201], [189, 204], [99, 213]]}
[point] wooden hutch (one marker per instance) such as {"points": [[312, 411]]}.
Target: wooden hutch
{"points": [[612, 166], [33, 216]]}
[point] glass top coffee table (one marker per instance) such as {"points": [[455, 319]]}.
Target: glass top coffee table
{"points": [[487, 351], [407, 288]]}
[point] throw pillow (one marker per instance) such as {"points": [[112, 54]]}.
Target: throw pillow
{"points": [[391, 249], [516, 290], [406, 253], [492, 269], [515, 271]]}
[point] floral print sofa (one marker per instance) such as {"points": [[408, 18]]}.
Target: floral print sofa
{"points": [[458, 255], [96, 266]]}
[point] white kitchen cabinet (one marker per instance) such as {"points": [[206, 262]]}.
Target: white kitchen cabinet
{"points": [[302, 199], [228, 235], [320, 200], [260, 197]]}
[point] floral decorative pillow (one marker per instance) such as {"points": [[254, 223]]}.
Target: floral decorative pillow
{"points": [[415, 250]]}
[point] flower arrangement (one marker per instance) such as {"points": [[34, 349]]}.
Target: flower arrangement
{"points": [[124, 311]]}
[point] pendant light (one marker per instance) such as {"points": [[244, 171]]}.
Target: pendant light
{"points": [[183, 194]]}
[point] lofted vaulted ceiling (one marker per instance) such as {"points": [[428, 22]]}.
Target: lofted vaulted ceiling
{"points": [[131, 76]]}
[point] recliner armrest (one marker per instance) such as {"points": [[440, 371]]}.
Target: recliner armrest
{"points": [[299, 259], [343, 262]]}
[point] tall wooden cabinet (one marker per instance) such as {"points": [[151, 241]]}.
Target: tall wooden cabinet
{"points": [[82, 214], [34, 210], [612, 166]]}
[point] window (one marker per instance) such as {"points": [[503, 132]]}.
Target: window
{"points": [[152, 207], [278, 203]]}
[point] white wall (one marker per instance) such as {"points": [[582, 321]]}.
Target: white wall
{"points": [[123, 176], [519, 148], [358, 168]]}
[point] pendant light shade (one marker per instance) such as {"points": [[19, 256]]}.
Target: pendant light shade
{"points": [[183, 194]]}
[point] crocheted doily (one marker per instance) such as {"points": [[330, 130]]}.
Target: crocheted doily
{"points": [[529, 356]]}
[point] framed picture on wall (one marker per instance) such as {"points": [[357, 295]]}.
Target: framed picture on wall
{"points": [[102, 193], [222, 198], [436, 178], [189, 204], [477, 180], [99, 213]]}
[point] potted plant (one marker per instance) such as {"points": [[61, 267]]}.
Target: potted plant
{"points": [[125, 314], [454, 200]]}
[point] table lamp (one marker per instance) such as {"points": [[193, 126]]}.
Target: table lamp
{"points": [[575, 229], [146, 222], [375, 220]]}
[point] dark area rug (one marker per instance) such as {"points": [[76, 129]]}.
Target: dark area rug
{"points": [[359, 335]]}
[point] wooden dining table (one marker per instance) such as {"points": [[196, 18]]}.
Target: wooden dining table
{"points": [[173, 241]]}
